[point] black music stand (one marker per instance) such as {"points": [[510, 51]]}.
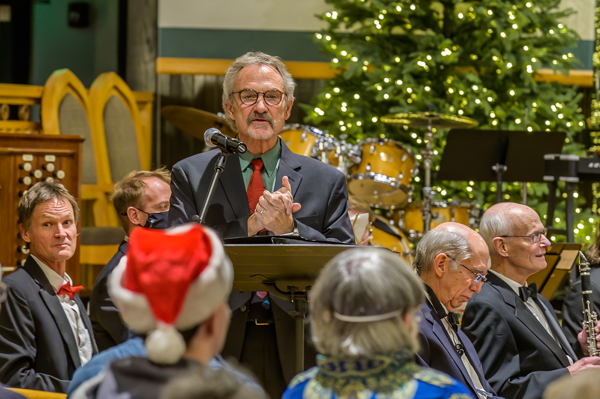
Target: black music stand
{"points": [[286, 267], [497, 155]]}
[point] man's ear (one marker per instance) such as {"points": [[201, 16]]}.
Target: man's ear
{"points": [[288, 111], [500, 246], [24, 233], [133, 215], [439, 265], [229, 110]]}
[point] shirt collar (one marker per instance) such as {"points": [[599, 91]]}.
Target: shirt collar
{"points": [[270, 159], [56, 281], [435, 302], [511, 283]]}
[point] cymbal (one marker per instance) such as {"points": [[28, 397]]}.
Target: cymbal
{"points": [[194, 121], [430, 119]]}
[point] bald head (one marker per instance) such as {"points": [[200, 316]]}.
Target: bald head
{"points": [[505, 219], [454, 239]]}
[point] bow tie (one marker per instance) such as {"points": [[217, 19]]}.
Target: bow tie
{"points": [[528, 292], [452, 319], [66, 289]]}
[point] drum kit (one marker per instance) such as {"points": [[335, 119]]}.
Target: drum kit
{"points": [[378, 170]]}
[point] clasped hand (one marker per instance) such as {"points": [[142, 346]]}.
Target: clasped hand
{"points": [[274, 211]]}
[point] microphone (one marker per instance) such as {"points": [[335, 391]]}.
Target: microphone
{"points": [[214, 138]]}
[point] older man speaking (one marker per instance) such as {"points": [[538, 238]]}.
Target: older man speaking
{"points": [[452, 261]]}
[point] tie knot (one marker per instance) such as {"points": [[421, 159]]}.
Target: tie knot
{"points": [[453, 319], [528, 292], [66, 289], [257, 164]]}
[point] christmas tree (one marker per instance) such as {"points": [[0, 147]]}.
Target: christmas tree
{"points": [[473, 59]]}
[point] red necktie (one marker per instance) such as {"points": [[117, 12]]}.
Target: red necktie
{"points": [[66, 289], [256, 187]]}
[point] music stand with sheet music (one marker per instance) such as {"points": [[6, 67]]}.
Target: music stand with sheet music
{"points": [[560, 258], [497, 155], [286, 267]]}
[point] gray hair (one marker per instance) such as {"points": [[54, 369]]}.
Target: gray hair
{"points": [[255, 58], [495, 224], [43, 192], [438, 241], [365, 282]]}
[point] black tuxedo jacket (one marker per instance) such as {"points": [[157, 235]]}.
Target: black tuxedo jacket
{"points": [[519, 357], [37, 346], [573, 309], [319, 188], [437, 350], [109, 329]]}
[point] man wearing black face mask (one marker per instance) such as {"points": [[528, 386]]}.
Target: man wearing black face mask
{"points": [[142, 199]]}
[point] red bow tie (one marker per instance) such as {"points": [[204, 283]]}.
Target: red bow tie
{"points": [[66, 289]]}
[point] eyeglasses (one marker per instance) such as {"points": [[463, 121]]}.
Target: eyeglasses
{"points": [[250, 97], [479, 278], [535, 237]]}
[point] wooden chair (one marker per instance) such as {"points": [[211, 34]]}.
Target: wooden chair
{"points": [[115, 113], [31, 394], [66, 109]]}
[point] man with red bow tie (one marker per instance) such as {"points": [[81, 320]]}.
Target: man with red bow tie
{"points": [[45, 332]]}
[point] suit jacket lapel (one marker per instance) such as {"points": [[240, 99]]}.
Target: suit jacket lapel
{"points": [[54, 307], [231, 181], [442, 335], [289, 165], [527, 318]]}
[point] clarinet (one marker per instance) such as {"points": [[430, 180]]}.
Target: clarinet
{"points": [[590, 318]]}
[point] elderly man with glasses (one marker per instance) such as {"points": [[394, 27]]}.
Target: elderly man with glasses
{"points": [[267, 191], [452, 260], [515, 330]]}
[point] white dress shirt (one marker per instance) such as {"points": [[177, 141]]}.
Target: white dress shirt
{"points": [[81, 334]]}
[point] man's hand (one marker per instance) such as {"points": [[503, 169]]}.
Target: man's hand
{"points": [[584, 364], [274, 210], [583, 336]]}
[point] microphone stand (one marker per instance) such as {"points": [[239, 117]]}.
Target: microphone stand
{"points": [[219, 168]]}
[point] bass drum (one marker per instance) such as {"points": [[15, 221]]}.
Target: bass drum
{"points": [[388, 236], [308, 141], [410, 219]]}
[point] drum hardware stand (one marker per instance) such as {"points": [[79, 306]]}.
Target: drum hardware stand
{"points": [[428, 193], [499, 169]]}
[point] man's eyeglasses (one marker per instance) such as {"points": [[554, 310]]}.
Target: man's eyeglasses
{"points": [[250, 97], [479, 277], [535, 237]]}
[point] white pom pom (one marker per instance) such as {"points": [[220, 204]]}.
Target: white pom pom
{"points": [[165, 345]]}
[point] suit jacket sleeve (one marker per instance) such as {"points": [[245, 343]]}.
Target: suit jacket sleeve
{"points": [[337, 227], [495, 344], [18, 348], [108, 317]]}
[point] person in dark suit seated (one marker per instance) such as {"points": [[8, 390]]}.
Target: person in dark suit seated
{"points": [[269, 191], [5, 393], [573, 306], [141, 199], [364, 325], [515, 331], [45, 332], [452, 260]]}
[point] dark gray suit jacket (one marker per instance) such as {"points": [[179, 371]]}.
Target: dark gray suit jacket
{"points": [[109, 329], [319, 188], [437, 351], [519, 357], [37, 346]]}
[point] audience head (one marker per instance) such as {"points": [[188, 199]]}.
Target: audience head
{"points": [[48, 217], [173, 286], [452, 260], [142, 198], [262, 73], [210, 383], [358, 206], [363, 304], [515, 237], [582, 385]]}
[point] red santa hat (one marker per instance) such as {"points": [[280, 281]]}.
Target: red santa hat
{"points": [[170, 280]]}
